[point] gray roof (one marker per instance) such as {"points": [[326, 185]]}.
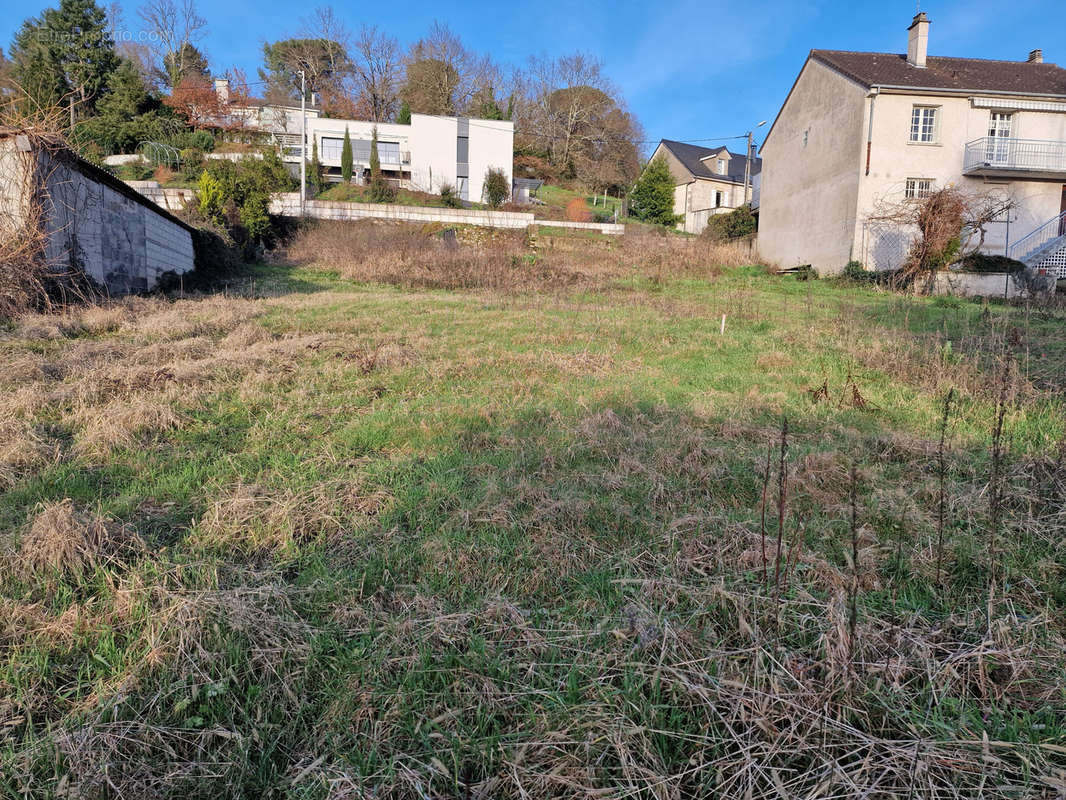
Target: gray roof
{"points": [[949, 74], [690, 156]]}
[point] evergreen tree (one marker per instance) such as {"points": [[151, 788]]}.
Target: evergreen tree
{"points": [[375, 159], [346, 157], [66, 52], [314, 170], [184, 64], [404, 117], [380, 191], [652, 198]]}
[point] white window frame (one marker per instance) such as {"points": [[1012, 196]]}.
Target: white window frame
{"points": [[1000, 131], [920, 132], [721, 166], [919, 188]]}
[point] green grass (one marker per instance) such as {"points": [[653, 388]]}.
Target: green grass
{"points": [[557, 197], [437, 543]]}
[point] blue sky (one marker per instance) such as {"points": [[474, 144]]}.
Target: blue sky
{"points": [[689, 70]]}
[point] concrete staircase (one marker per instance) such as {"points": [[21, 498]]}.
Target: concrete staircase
{"points": [[1044, 250]]}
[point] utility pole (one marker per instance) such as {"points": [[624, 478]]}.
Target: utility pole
{"points": [[303, 144], [747, 166], [747, 172]]}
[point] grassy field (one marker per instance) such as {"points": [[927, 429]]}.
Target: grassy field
{"points": [[416, 535]]}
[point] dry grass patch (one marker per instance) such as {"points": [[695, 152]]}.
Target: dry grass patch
{"points": [[256, 521], [423, 256], [69, 541], [23, 450], [121, 423]]}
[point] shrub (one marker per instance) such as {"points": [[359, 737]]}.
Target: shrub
{"points": [[577, 210], [737, 223], [192, 163], [195, 140], [497, 187], [236, 194], [448, 197], [982, 262], [652, 198], [855, 271]]}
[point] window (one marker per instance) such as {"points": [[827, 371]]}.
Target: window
{"points": [[462, 156], [917, 188], [998, 144], [721, 166], [389, 152], [924, 124], [331, 149]]}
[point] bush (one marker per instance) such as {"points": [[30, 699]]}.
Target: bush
{"points": [[982, 262], [855, 271], [192, 164], [448, 197], [577, 210], [236, 195], [737, 223], [497, 187], [194, 140], [133, 172]]}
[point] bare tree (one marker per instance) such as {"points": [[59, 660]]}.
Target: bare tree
{"points": [[572, 113], [377, 64], [176, 26], [443, 76], [947, 226]]}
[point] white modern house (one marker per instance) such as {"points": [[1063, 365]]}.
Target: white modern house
{"points": [[859, 130], [423, 156], [430, 152]]}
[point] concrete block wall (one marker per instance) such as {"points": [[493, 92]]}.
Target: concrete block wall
{"points": [[117, 239]]}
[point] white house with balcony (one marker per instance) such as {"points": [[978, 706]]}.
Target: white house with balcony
{"points": [[862, 130], [430, 152]]}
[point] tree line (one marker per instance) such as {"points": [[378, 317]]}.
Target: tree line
{"points": [[70, 62]]}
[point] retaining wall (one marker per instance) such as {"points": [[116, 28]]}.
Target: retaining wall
{"points": [[169, 198], [288, 205]]}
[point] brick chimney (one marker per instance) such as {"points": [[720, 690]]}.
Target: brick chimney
{"points": [[1036, 56], [918, 40], [222, 90]]}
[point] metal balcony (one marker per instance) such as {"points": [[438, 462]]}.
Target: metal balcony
{"points": [[1001, 157]]}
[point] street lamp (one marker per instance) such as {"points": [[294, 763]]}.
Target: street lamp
{"points": [[303, 142], [747, 167]]}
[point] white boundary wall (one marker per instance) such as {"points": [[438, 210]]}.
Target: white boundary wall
{"points": [[288, 205]]}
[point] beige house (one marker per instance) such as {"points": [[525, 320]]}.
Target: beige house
{"points": [[709, 180], [862, 130]]}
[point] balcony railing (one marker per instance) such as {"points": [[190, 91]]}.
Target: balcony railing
{"points": [[1001, 155]]}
